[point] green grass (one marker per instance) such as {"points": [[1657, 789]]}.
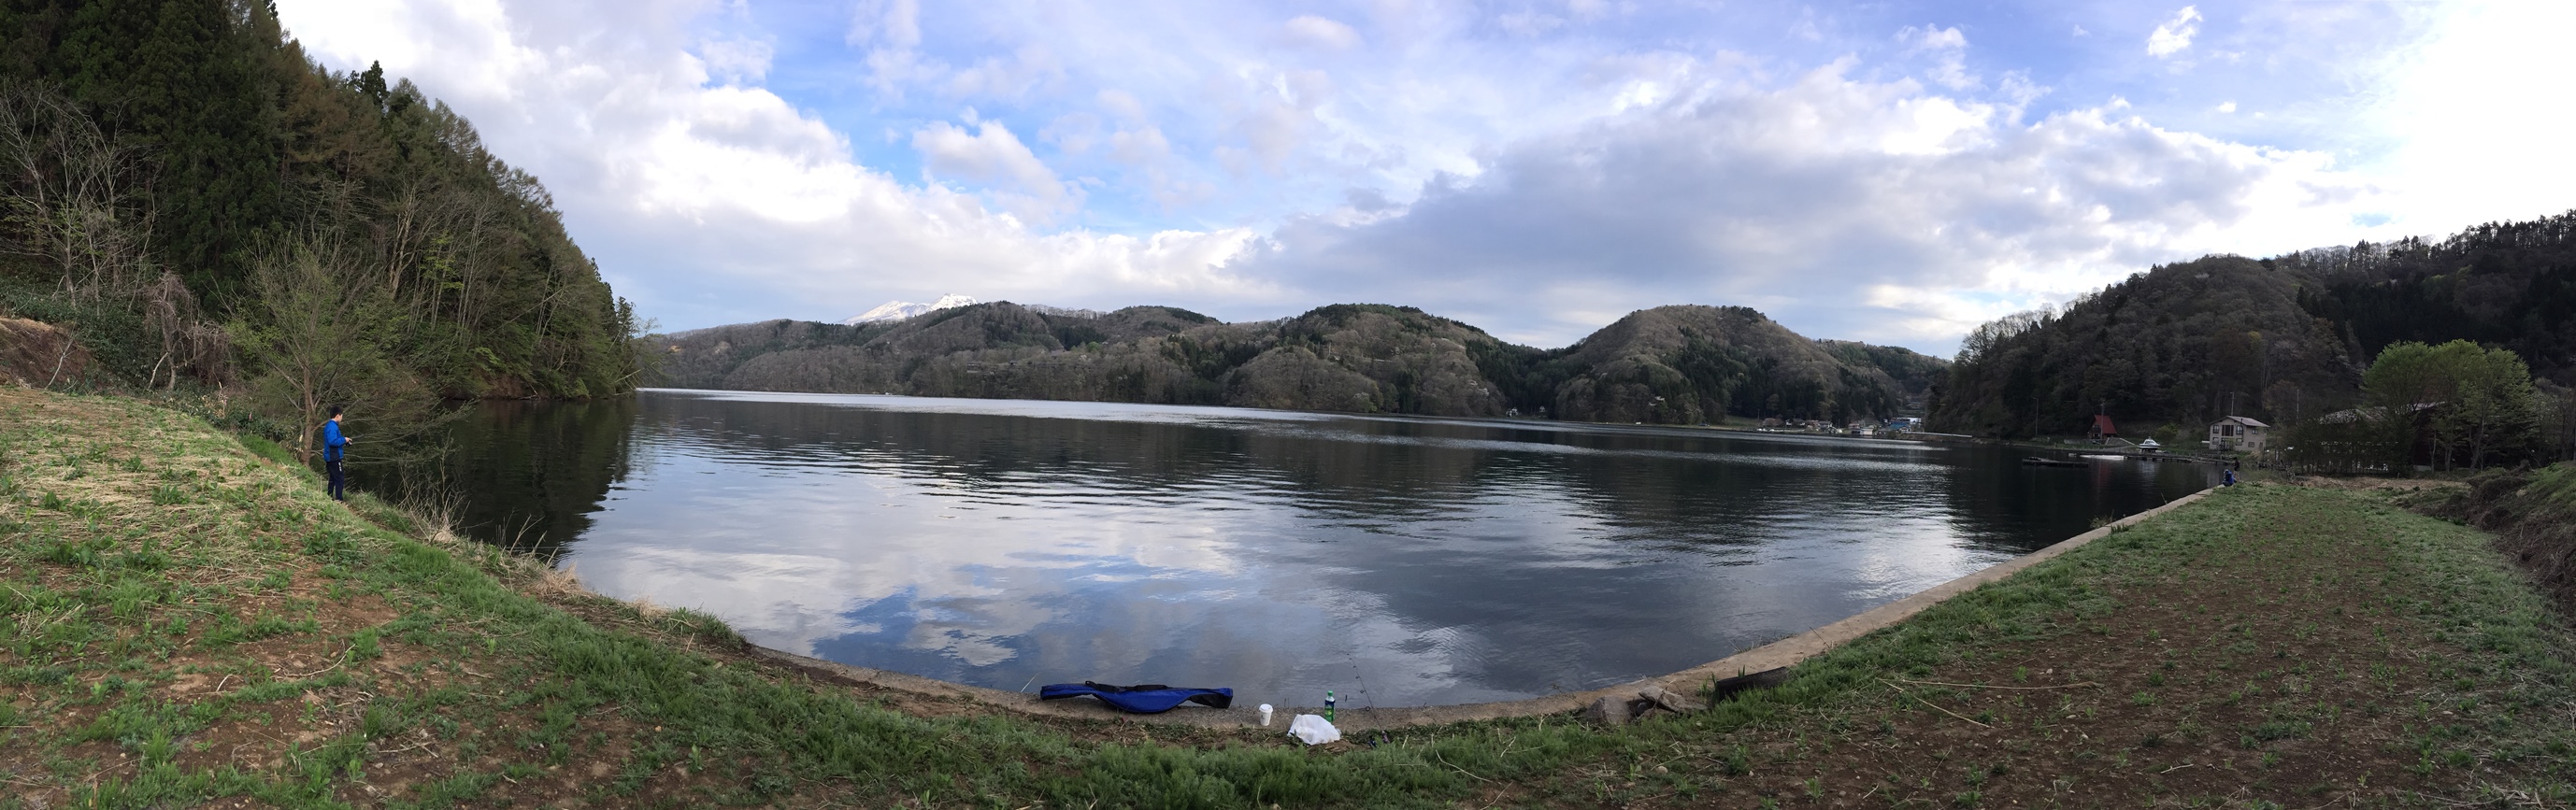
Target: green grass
{"points": [[164, 552]]}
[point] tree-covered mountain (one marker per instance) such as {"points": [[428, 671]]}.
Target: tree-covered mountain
{"points": [[197, 199], [2510, 285], [2284, 338], [1690, 364], [1670, 365]]}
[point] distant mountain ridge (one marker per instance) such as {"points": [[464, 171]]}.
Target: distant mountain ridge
{"points": [[1667, 365]]}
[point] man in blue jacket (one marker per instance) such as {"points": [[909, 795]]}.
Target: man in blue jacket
{"points": [[334, 446]]}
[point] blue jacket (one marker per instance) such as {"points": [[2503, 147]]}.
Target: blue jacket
{"points": [[334, 445]]}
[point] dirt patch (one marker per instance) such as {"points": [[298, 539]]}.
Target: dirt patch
{"points": [[2282, 667], [33, 353], [2193, 689]]}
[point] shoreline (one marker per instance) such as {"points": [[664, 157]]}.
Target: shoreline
{"points": [[186, 622], [1689, 681]]}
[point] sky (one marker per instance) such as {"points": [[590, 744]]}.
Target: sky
{"points": [[1895, 172]]}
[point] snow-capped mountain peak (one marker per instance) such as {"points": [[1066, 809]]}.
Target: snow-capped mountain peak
{"points": [[899, 310]]}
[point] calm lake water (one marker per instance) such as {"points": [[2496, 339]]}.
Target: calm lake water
{"points": [[1397, 561]]}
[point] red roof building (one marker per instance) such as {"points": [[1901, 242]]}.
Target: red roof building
{"points": [[2102, 428]]}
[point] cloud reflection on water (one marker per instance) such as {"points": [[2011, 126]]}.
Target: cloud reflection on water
{"points": [[1399, 561]]}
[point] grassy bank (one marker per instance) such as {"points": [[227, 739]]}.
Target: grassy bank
{"points": [[185, 623], [2531, 512]]}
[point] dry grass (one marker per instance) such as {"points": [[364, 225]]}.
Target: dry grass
{"points": [[184, 624]]}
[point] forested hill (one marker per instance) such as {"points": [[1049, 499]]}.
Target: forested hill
{"points": [[1669, 365], [2284, 338], [200, 201]]}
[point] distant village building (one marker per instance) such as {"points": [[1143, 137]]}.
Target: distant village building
{"points": [[2102, 429], [2238, 433]]}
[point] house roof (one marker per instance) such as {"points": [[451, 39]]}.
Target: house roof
{"points": [[2242, 420]]}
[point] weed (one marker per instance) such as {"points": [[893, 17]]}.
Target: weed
{"points": [[1739, 760]]}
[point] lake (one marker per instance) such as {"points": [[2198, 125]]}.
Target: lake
{"points": [[1398, 561]]}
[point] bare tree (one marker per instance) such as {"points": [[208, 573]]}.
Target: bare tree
{"points": [[189, 343], [72, 196]]}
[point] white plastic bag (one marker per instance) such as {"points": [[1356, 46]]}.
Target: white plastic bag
{"points": [[1313, 730]]}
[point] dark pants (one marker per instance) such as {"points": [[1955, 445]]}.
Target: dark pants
{"points": [[339, 479]]}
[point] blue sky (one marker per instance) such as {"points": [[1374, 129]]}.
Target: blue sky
{"points": [[1893, 172]]}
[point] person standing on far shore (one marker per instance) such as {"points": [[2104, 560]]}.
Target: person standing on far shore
{"points": [[334, 446]]}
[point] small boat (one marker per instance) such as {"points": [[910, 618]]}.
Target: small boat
{"points": [[2036, 461]]}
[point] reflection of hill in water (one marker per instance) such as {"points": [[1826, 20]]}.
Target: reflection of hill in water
{"points": [[993, 542], [1354, 467], [530, 473], [2042, 505]]}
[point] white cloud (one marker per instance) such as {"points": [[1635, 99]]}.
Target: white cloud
{"points": [[890, 30], [1177, 153], [737, 61], [2175, 35], [1282, 119], [1122, 104], [1073, 133], [1320, 32], [1029, 68], [1529, 23], [887, 23], [726, 201], [1139, 147], [2473, 142], [993, 155], [1934, 38], [1843, 207], [2227, 107], [1948, 49]]}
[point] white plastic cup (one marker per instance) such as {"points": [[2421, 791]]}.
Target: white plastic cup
{"points": [[1265, 714]]}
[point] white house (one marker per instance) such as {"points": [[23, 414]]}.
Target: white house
{"points": [[2238, 433]]}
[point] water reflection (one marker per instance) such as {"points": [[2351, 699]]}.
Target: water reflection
{"points": [[1398, 561]]}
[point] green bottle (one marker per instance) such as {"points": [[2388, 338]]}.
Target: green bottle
{"points": [[1328, 705]]}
